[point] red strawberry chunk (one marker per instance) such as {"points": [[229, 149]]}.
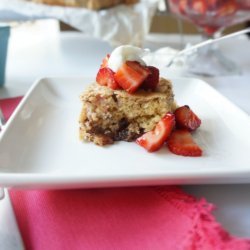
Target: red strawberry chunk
{"points": [[105, 77], [131, 75], [186, 118], [183, 5], [153, 140], [105, 61], [199, 6], [181, 143], [228, 8], [152, 80]]}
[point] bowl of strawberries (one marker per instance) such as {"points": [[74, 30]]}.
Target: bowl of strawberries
{"points": [[211, 17]]}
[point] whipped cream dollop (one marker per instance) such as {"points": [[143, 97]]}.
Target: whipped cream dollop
{"points": [[126, 53]]}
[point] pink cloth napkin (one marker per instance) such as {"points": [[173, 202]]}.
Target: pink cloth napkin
{"points": [[118, 218], [8, 106]]}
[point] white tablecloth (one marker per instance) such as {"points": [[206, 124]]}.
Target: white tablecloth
{"points": [[34, 54]]}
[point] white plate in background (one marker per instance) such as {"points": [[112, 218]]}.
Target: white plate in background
{"points": [[39, 147]]}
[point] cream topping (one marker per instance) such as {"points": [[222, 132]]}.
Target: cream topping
{"points": [[126, 53]]}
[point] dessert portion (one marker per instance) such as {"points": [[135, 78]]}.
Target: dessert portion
{"points": [[89, 4], [130, 102], [127, 100], [115, 115]]}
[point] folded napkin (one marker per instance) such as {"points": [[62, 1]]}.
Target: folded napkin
{"points": [[118, 218]]}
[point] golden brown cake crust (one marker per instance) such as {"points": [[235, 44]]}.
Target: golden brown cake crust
{"points": [[112, 115], [90, 4]]}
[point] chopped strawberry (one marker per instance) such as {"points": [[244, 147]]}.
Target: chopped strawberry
{"points": [[183, 5], [228, 8], [186, 118], [153, 140], [181, 142], [131, 75], [152, 80], [105, 77], [105, 61], [199, 6], [214, 4]]}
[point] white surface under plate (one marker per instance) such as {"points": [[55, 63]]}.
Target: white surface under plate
{"points": [[39, 147]]}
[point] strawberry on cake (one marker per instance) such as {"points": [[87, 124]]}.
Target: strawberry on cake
{"points": [[130, 102]]}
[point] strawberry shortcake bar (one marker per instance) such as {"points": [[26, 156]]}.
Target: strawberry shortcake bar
{"points": [[131, 102]]}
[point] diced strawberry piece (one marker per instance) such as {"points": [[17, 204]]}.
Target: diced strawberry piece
{"points": [[152, 80], [153, 140], [186, 118], [131, 75], [105, 77], [199, 6], [175, 1], [228, 8], [105, 61], [183, 4], [138, 67], [214, 4], [181, 142], [210, 30]]}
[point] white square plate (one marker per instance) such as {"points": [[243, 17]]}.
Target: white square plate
{"points": [[39, 147]]}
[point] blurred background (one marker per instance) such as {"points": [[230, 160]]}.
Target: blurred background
{"points": [[133, 22], [162, 21], [164, 16]]}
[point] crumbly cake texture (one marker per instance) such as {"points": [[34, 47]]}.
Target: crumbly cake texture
{"points": [[89, 4], [114, 115]]}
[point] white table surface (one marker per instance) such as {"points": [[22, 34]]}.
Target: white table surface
{"points": [[35, 53]]}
